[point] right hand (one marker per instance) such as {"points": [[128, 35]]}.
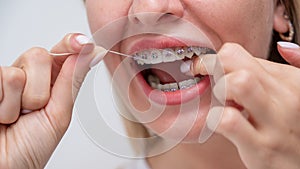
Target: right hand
{"points": [[48, 85]]}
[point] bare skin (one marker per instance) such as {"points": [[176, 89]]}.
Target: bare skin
{"points": [[269, 140]]}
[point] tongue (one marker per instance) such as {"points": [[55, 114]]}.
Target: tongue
{"points": [[169, 72]]}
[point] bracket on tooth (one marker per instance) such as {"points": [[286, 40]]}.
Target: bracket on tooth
{"points": [[155, 56]]}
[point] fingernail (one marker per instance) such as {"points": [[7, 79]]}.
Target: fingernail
{"points": [[26, 111], [82, 39], [185, 67], [101, 52], [213, 118], [288, 45]]}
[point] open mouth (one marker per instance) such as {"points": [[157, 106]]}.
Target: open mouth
{"points": [[161, 67]]}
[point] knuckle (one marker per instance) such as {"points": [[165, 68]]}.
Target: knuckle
{"points": [[229, 52], [37, 54], [8, 120], [243, 81], [272, 145], [35, 101], [230, 45], [9, 117], [230, 121], [228, 48], [15, 78]]}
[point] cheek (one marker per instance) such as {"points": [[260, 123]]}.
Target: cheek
{"points": [[248, 23], [102, 12]]}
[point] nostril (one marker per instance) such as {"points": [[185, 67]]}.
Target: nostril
{"points": [[152, 18], [135, 20], [167, 18]]}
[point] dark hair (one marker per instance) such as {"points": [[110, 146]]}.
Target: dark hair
{"points": [[292, 10]]}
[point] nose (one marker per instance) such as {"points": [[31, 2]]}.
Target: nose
{"points": [[151, 12]]}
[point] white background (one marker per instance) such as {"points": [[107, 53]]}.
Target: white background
{"points": [[25, 24]]}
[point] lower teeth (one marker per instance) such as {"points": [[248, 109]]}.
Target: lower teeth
{"points": [[172, 87]]}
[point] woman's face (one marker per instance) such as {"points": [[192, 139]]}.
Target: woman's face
{"points": [[248, 23]]}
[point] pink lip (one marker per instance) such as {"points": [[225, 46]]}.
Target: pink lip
{"points": [[169, 98], [164, 42]]}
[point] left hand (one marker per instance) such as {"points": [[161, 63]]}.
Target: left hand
{"points": [[269, 93]]}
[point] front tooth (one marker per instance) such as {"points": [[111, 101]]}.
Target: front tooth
{"points": [[166, 88], [189, 52], [173, 87], [145, 55], [168, 55], [156, 57], [180, 52], [140, 62], [182, 85], [187, 84]]}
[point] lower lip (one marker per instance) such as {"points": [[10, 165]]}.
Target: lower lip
{"points": [[177, 97]]}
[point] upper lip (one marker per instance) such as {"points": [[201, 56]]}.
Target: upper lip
{"points": [[164, 42]]}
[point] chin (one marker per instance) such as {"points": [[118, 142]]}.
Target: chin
{"points": [[182, 123]]}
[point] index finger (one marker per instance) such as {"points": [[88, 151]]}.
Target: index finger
{"points": [[74, 43]]}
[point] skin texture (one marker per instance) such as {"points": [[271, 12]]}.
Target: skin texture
{"points": [[239, 32], [27, 140], [269, 138], [238, 19]]}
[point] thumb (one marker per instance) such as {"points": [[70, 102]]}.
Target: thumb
{"points": [[69, 79], [290, 52]]}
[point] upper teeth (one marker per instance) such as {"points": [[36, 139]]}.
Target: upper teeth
{"points": [[155, 56]]}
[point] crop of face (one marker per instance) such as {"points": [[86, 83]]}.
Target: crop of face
{"points": [[248, 23]]}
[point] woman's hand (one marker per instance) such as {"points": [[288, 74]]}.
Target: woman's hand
{"points": [[47, 85], [269, 94]]}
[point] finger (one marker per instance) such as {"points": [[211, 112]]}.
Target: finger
{"points": [[37, 64], [234, 126], [73, 43], [13, 80], [207, 65], [68, 81], [204, 65], [246, 90], [231, 57], [290, 52]]}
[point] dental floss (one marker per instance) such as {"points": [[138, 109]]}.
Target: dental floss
{"points": [[99, 48], [99, 53]]}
